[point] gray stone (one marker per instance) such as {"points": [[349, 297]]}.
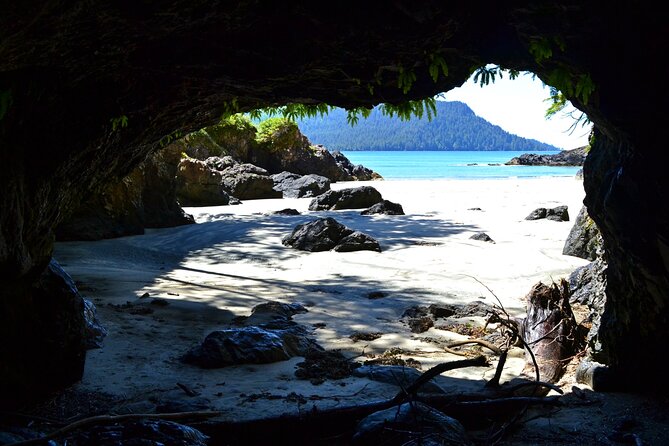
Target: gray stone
{"points": [[322, 234], [482, 236], [357, 241], [292, 185], [558, 213], [584, 239], [353, 198], [268, 343], [327, 233], [384, 207]]}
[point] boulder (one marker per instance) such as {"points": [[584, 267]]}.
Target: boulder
{"points": [[384, 207], [575, 157], [559, 213], [584, 239], [319, 235], [352, 198], [248, 182], [327, 233], [198, 184], [412, 423], [357, 241], [43, 344], [287, 211], [482, 236], [272, 342], [292, 185]]}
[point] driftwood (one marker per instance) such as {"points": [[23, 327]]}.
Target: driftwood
{"points": [[550, 329]]}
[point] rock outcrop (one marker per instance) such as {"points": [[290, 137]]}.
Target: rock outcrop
{"points": [[584, 239], [352, 198], [145, 198], [354, 172], [575, 157]]}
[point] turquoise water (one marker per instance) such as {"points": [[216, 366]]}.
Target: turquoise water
{"points": [[455, 165]]}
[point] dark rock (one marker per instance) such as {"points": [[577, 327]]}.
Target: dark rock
{"points": [[474, 209], [43, 344], [438, 311], [354, 198], [482, 236], [376, 295], [250, 345], [357, 241], [416, 311], [271, 311], [145, 432], [248, 182], [575, 157], [413, 423], [220, 163], [584, 239], [319, 235], [287, 211], [95, 332], [292, 185], [579, 174], [384, 207], [325, 234], [397, 375], [537, 214], [558, 213], [353, 172], [420, 324]]}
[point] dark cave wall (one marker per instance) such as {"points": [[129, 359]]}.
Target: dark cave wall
{"points": [[69, 69]]}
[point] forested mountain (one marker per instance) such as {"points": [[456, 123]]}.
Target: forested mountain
{"points": [[455, 127]]}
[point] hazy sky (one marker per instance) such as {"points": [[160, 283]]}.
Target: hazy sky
{"points": [[518, 107]]}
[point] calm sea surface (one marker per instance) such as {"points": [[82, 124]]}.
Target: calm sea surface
{"points": [[455, 165]]}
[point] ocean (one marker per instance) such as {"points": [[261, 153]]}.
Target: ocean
{"points": [[473, 165]]}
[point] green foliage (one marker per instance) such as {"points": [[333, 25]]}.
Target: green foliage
{"points": [[454, 126], [353, 115], [119, 122], [278, 134], [6, 101], [540, 49], [486, 74], [406, 110], [558, 103], [405, 79], [291, 111], [435, 65], [580, 86]]}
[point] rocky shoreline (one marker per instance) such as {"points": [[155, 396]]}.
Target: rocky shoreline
{"points": [[574, 157]]}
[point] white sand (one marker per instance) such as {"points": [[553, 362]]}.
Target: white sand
{"points": [[233, 260]]}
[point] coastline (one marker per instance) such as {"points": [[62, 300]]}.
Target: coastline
{"points": [[211, 272]]}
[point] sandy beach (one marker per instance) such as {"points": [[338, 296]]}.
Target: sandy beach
{"points": [[207, 274]]}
